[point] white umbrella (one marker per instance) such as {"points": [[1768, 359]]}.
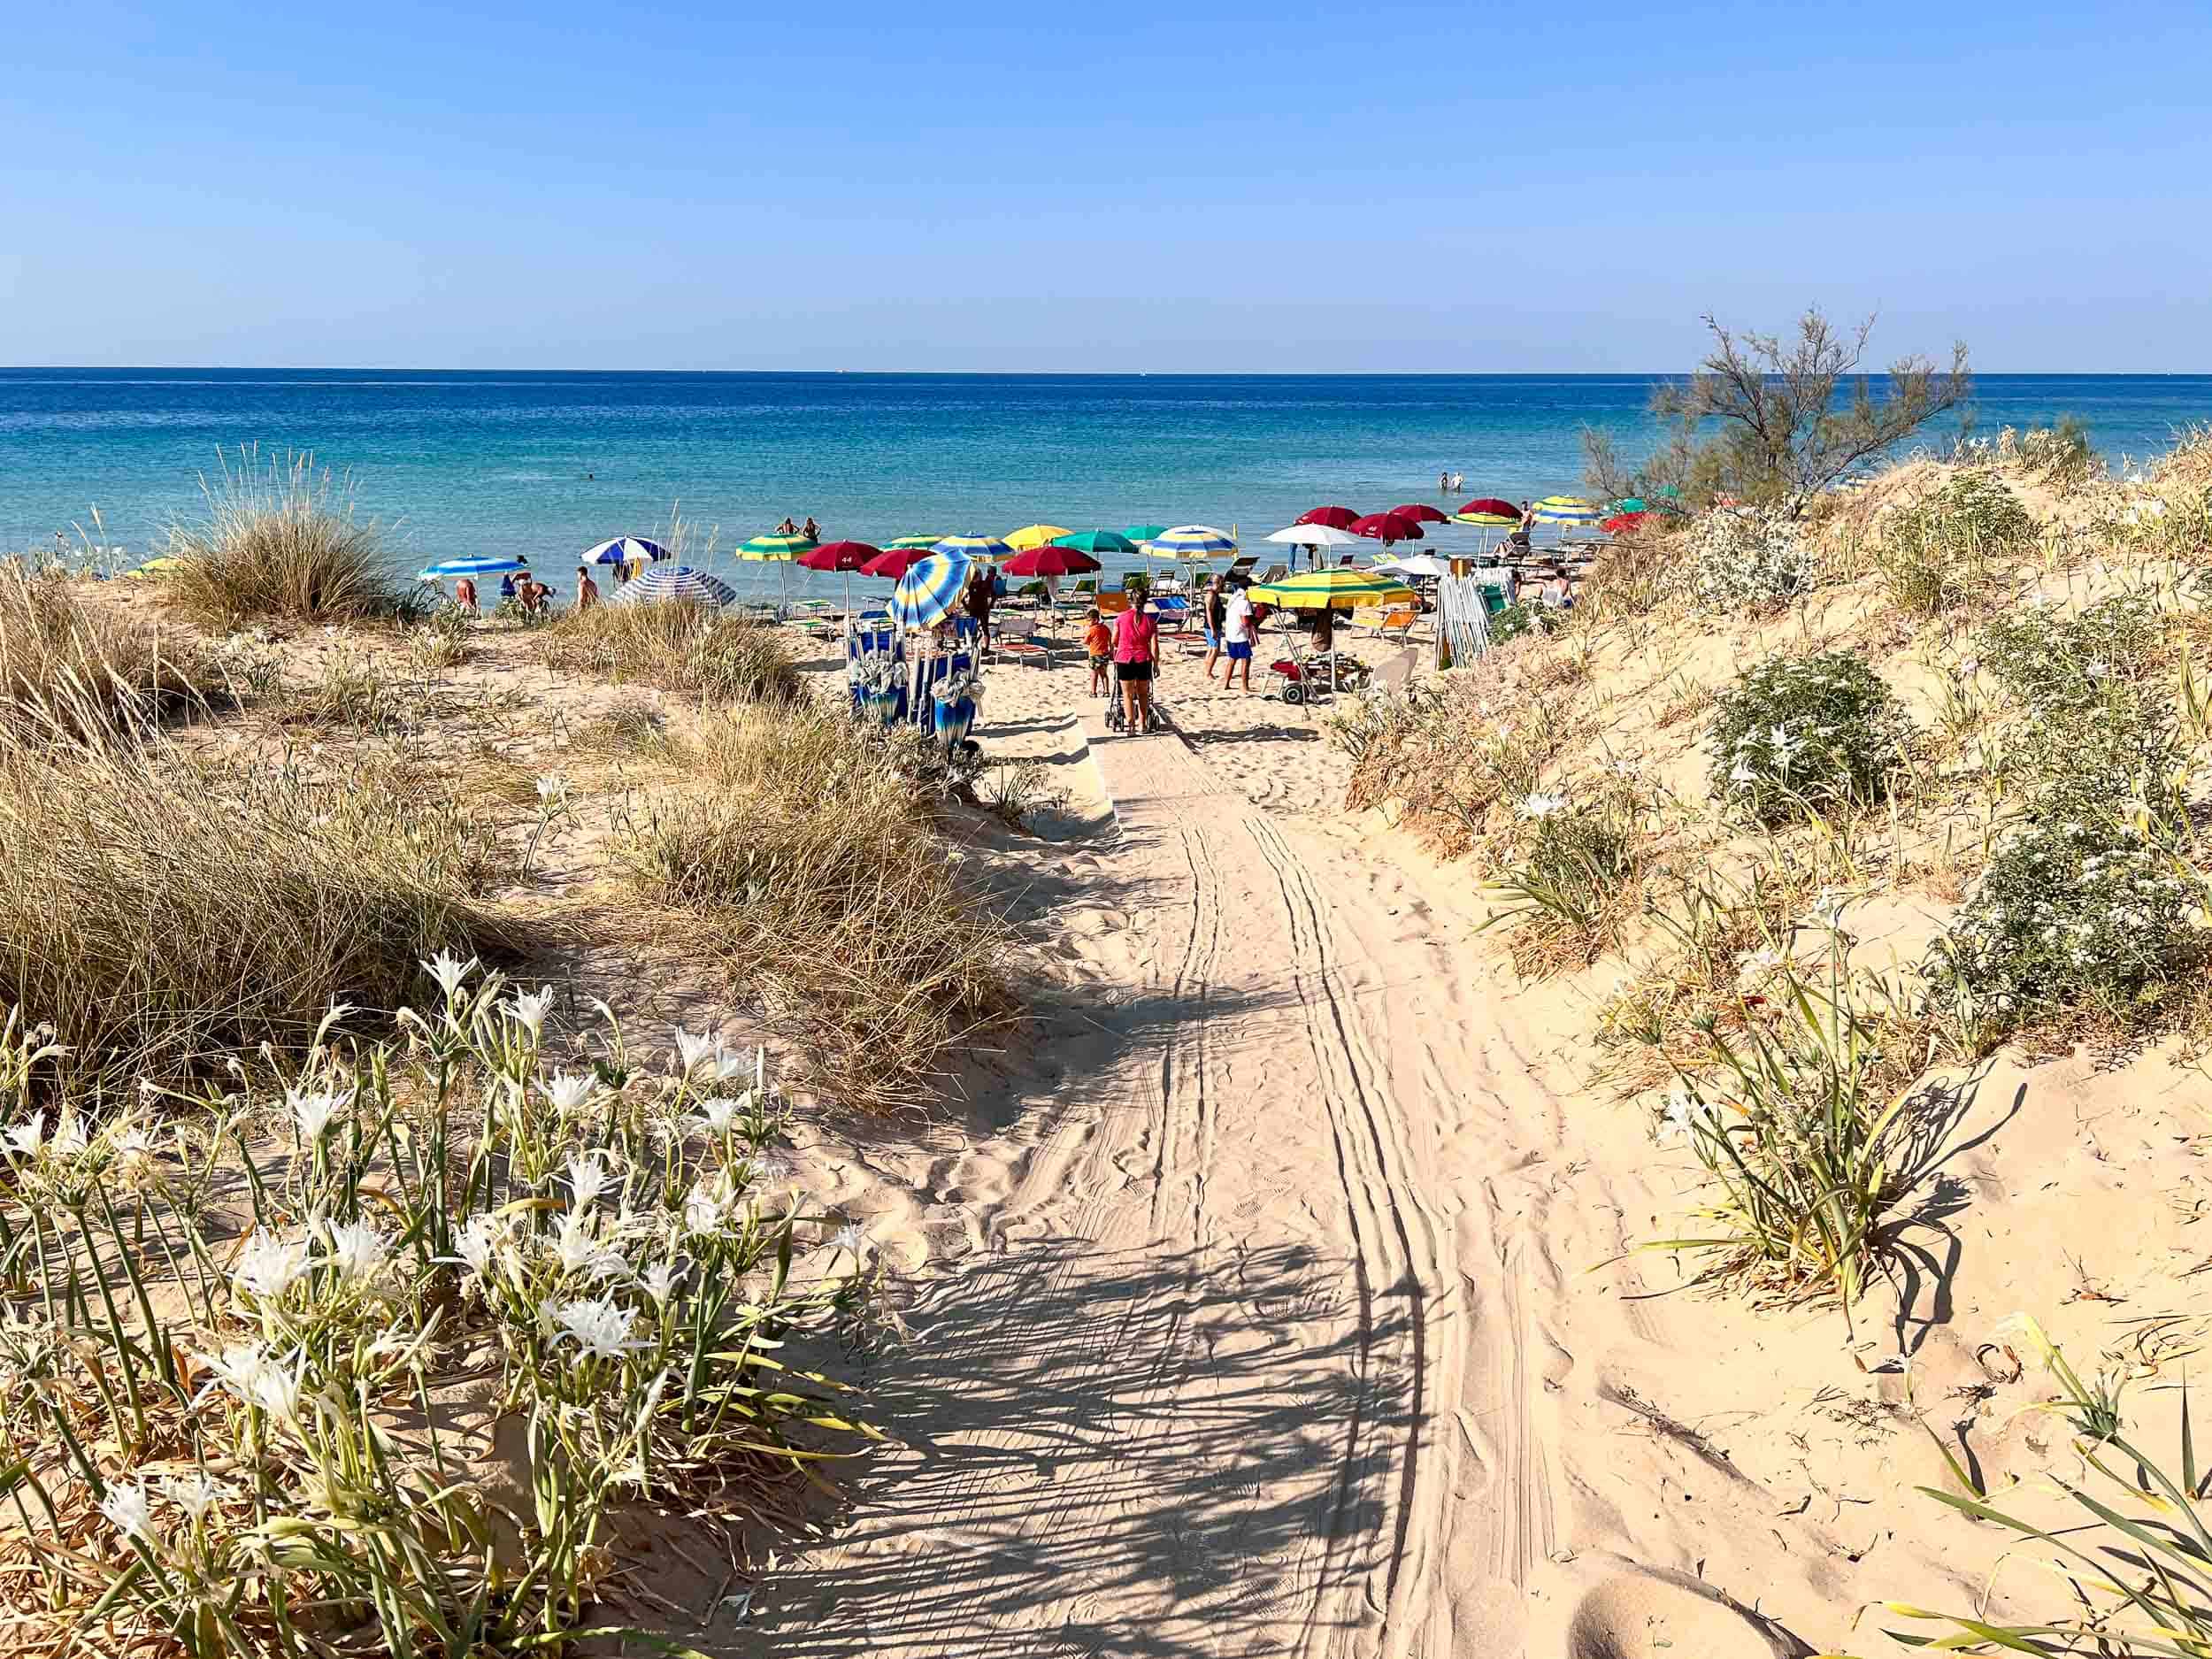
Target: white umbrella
{"points": [[1419, 564], [1317, 535]]}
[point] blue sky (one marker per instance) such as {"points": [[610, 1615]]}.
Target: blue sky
{"points": [[1292, 187]]}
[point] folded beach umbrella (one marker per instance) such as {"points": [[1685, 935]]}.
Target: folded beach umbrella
{"points": [[974, 547], [928, 592], [1144, 532], [1386, 528], [470, 567], [1420, 513], [1192, 542], [924, 541], [1313, 590], [623, 551], [1054, 560], [673, 584], [1335, 517], [1097, 542], [895, 562], [1031, 535], [1302, 535], [1568, 510]]}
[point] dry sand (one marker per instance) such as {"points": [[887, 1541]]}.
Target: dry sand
{"points": [[1279, 1296]]}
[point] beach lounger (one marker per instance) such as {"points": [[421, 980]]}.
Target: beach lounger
{"points": [[1273, 574], [1393, 624], [1241, 568]]}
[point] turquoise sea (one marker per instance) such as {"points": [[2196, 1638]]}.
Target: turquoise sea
{"points": [[542, 464]]}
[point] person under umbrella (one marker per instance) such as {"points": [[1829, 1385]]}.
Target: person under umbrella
{"points": [[978, 597]]}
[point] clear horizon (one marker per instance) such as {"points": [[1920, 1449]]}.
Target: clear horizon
{"points": [[1412, 189]]}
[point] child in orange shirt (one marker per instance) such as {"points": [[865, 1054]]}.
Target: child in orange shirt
{"points": [[1098, 639]]}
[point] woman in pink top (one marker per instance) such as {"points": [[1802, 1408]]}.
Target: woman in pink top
{"points": [[1136, 643]]}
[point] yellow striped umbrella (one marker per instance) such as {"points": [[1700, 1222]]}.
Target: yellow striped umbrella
{"points": [[1036, 536], [1314, 590]]}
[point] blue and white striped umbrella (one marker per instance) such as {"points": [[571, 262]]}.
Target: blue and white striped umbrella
{"points": [[469, 567], [1193, 542], [624, 549], [974, 547], [666, 584], [929, 592]]}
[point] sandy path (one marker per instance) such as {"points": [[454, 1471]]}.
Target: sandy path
{"points": [[1230, 1373]]}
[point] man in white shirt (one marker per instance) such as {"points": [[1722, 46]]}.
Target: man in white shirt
{"points": [[1236, 638]]}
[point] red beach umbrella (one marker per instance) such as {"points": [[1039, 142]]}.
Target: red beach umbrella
{"points": [[1621, 523], [896, 563], [1492, 505], [1335, 517], [1421, 514], [838, 555], [1052, 561], [1386, 527]]}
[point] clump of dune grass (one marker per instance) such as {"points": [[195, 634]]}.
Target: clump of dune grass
{"points": [[233, 1430], [100, 667], [1567, 895], [1451, 754], [280, 539], [809, 869], [157, 909], [677, 646]]}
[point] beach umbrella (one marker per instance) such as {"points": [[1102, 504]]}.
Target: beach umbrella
{"points": [[470, 567], [1386, 528], [167, 565], [1097, 542], [1312, 590], [771, 549], [924, 541], [895, 562], [623, 551], [673, 584], [1031, 535], [1315, 535], [1621, 523], [1144, 532], [1192, 542], [1335, 517], [1632, 504], [1568, 510], [1417, 565], [930, 591], [974, 547], [1420, 513], [847, 557], [1052, 560], [1489, 509]]}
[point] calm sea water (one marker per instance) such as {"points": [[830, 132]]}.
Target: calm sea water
{"points": [[543, 464]]}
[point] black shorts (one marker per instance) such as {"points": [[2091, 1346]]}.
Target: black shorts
{"points": [[1132, 673]]}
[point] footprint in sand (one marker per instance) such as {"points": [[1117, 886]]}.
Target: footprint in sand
{"points": [[1640, 1615]]}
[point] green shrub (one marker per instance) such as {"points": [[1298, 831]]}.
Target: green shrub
{"points": [[1748, 561], [1952, 543], [1801, 735], [2054, 661], [2068, 914]]}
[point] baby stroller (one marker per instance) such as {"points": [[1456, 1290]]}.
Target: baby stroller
{"points": [[1310, 678]]}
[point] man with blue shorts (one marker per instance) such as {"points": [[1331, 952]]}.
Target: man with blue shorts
{"points": [[1236, 638]]}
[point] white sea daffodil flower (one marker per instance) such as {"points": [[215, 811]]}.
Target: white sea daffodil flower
{"points": [[660, 1281], [128, 1512], [69, 1140], [770, 1171], [1542, 806], [448, 971], [716, 1114], [707, 1208], [599, 1326], [1676, 1122], [357, 1248], [578, 1248], [588, 1175], [552, 788], [696, 1048], [268, 1267], [570, 1091], [474, 1245], [27, 1137], [194, 1494], [314, 1110], [852, 1236], [529, 1012]]}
